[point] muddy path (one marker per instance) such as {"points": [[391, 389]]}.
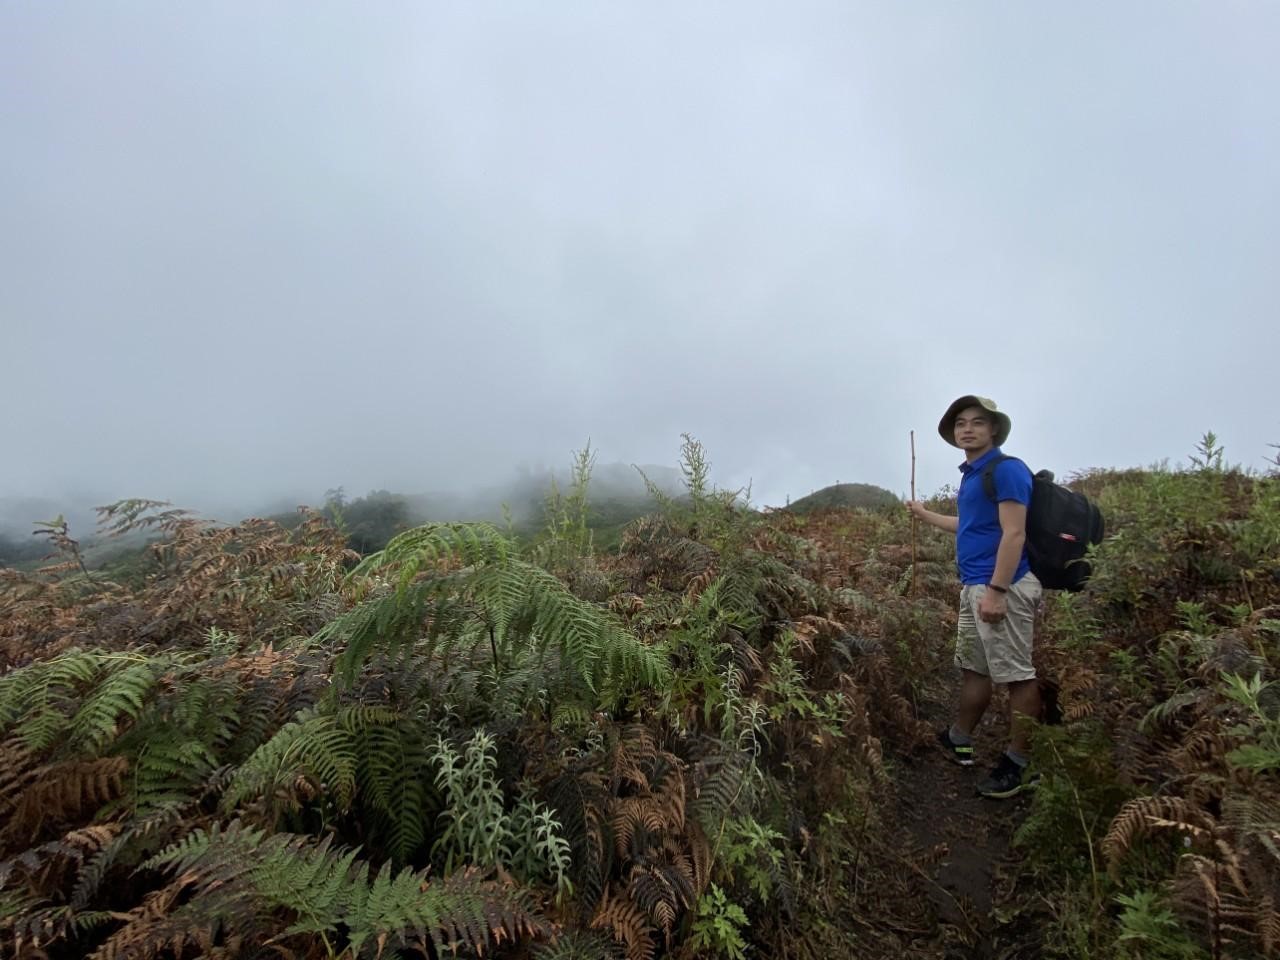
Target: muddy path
{"points": [[960, 844]]}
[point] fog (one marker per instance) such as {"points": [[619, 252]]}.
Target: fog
{"points": [[252, 251]]}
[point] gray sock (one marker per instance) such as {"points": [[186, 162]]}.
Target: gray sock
{"points": [[958, 738], [1021, 759]]}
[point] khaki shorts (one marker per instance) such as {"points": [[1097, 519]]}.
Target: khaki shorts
{"points": [[1001, 651]]}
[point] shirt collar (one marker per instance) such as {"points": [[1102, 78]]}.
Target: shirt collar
{"points": [[967, 468]]}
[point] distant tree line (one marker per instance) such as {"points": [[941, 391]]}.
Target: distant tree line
{"points": [[18, 549], [369, 521]]}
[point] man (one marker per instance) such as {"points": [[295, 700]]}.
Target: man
{"points": [[999, 595]]}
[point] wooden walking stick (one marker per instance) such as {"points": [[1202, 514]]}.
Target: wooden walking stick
{"points": [[915, 592]]}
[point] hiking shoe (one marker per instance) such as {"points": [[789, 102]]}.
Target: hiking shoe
{"points": [[1007, 779], [960, 753]]}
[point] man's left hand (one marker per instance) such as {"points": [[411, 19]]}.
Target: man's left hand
{"points": [[993, 606]]}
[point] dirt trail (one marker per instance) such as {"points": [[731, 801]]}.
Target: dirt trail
{"points": [[955, 860], [963, 840]]}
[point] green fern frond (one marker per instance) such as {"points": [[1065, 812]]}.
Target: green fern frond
{"points": [[258, 711], [459, 910], [195, 847], [719, 794], [731, 598], [387, 623], [44, 728], [579, 945], [316, 743], [323, 745], [209, 708], [39, 697], [167, 769], [569, 716], [325, 890], [121, 696], [306, 879], [415, 550], [1163, 712], [503, 590], [610, 658], [521, 603], [15, 903], [394, 780]]}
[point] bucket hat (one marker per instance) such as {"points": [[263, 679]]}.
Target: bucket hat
{"points": [[1001, 421]]}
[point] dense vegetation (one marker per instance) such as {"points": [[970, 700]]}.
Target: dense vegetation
{"points": [[260, 743]]}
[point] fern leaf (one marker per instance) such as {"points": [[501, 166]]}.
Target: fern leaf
{"points": [[628, 925], [393, 777], [323, 745], [66, 790], [1140, 814]]}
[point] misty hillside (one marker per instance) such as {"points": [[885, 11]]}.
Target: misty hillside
{"points": [[19, 513], [618, 495], [524, 498]]}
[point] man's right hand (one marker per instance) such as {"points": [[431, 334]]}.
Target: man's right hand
{"points": [[939, 520]]}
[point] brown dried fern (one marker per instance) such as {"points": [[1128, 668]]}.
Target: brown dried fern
{"points": [[627, 924], [1139, 816], [66, 790]]}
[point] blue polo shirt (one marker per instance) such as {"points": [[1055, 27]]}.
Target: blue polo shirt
{"points": [[978, 536]]}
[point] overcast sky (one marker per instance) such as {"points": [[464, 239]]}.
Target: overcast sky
{"points": [[257, 249]]}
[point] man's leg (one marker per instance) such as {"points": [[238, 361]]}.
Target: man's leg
{"points": [[975, 685], [1008, 644], [975, 697], [1024, 708]]}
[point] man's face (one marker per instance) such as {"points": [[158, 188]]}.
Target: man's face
{"points": [[973, 430]]}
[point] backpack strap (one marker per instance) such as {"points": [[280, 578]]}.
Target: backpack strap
{"points": [[989, 476]]}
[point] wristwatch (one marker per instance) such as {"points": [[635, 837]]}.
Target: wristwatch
{"points": [[998, 589]]}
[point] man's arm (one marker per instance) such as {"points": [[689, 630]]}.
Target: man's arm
{"points": [[1013, 534], [1013, 537], [940, 520]]}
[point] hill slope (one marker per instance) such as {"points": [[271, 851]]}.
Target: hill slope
{"points": [[863, 496]]}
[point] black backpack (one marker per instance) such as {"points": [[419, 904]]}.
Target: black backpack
{"points": [[1060, 526]]}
